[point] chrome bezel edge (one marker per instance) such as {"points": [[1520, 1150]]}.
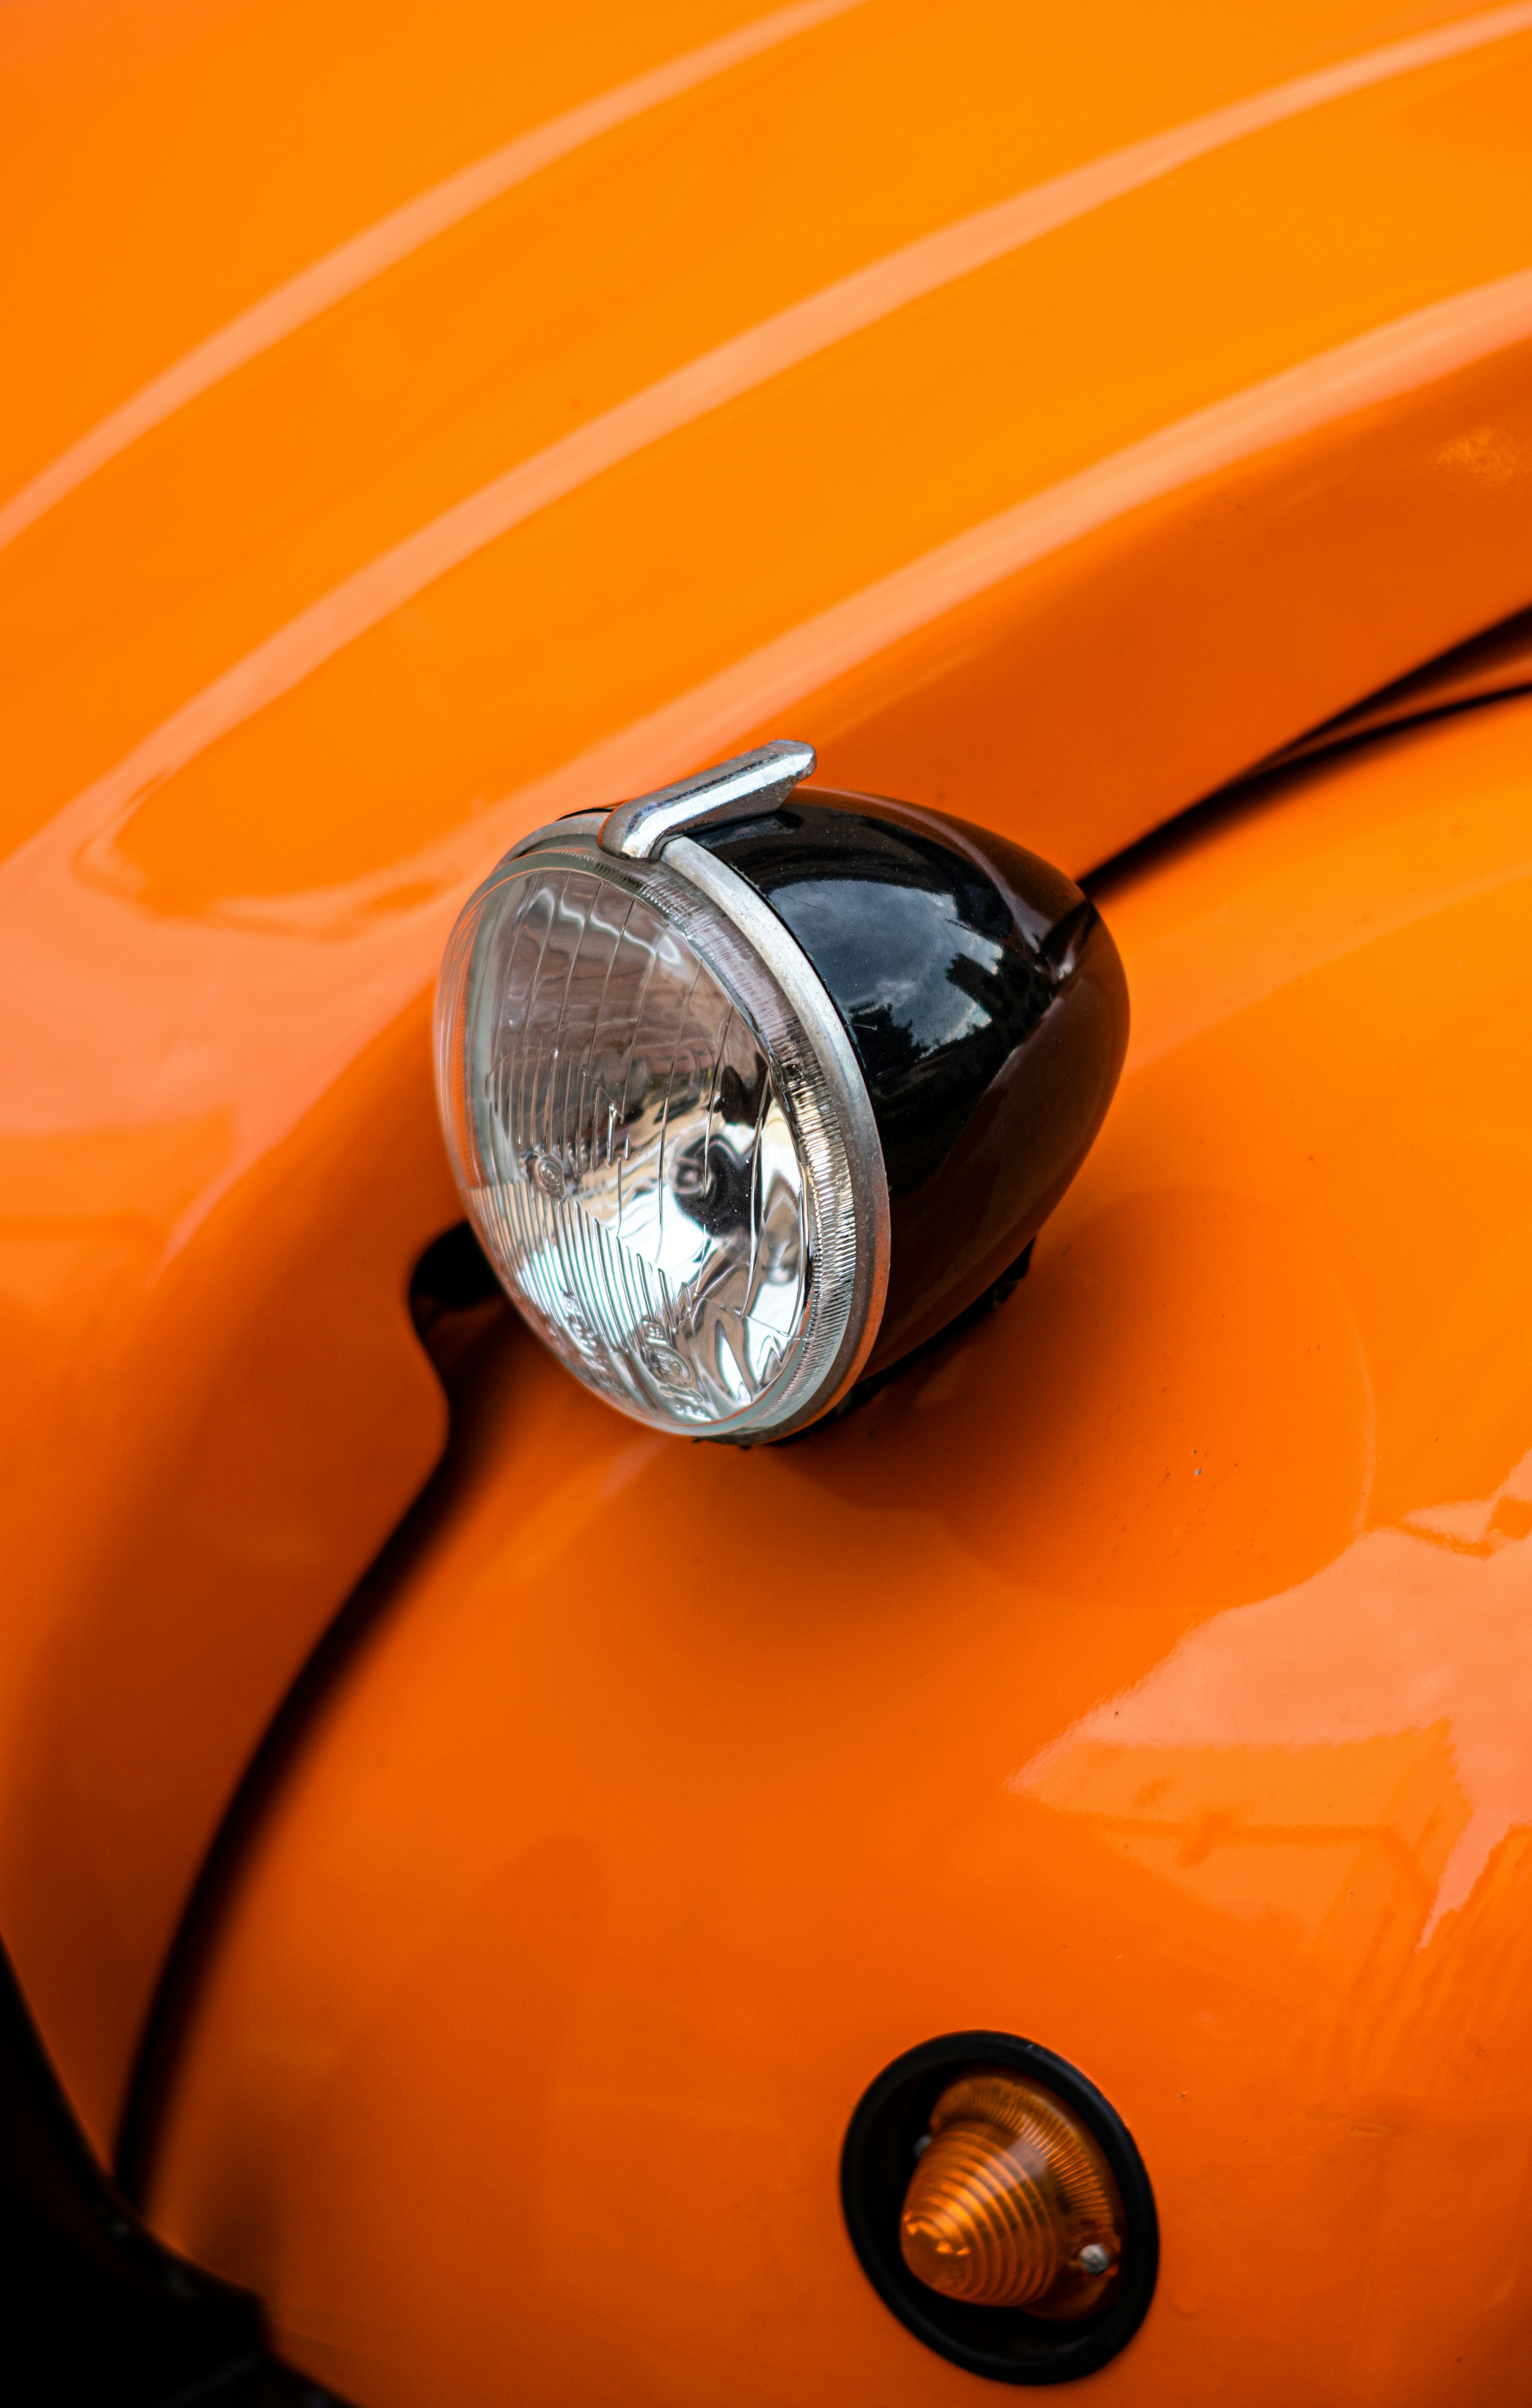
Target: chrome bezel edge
{"points": [[778, 953], [775, 945]]}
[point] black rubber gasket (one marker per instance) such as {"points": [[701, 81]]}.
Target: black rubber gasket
{"points": [[876, 2164]]}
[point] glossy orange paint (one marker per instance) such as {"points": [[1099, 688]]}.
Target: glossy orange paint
{"points": [[1146, 1675], [1498, 662], [432, 424]]}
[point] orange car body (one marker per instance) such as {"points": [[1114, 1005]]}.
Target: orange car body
{"points": [[432, 425]]}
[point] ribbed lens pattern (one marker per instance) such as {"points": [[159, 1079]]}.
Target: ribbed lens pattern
{"points": [[1005, 2199], [646, 1197]]}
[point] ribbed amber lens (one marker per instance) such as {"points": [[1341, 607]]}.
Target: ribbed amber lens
{"points": [[1012, 2205]]}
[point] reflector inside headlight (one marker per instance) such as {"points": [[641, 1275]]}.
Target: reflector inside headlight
{"points": [[676, 1178]]}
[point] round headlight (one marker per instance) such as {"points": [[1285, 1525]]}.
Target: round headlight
{"points": [[700, 1057]]}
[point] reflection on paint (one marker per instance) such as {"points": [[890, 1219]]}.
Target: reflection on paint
{"points": [[1344, 1760], [1392, 360], [956, 250], [405, 230]]}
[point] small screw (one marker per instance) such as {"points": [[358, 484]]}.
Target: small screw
{"points": [[1094, 2258], [548, 1175]]}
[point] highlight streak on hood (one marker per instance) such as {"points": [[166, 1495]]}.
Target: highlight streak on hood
{"points": [[1391, 360], [956, 250], [396, 237]]}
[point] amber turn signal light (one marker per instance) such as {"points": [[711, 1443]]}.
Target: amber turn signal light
{"points": [[1012, 2204], [1000, 2208]]}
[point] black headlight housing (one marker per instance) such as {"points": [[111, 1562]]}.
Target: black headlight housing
{"points": [[751, 1090], [988, 1009]]}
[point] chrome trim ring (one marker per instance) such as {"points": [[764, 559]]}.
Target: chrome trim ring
{"points": [[774, 943], [815, 1071]]}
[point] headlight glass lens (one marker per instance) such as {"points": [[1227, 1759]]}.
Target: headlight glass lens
{"points": [[650, 1151]]}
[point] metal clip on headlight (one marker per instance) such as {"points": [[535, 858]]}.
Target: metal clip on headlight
{"points": [[749, 1091]]}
